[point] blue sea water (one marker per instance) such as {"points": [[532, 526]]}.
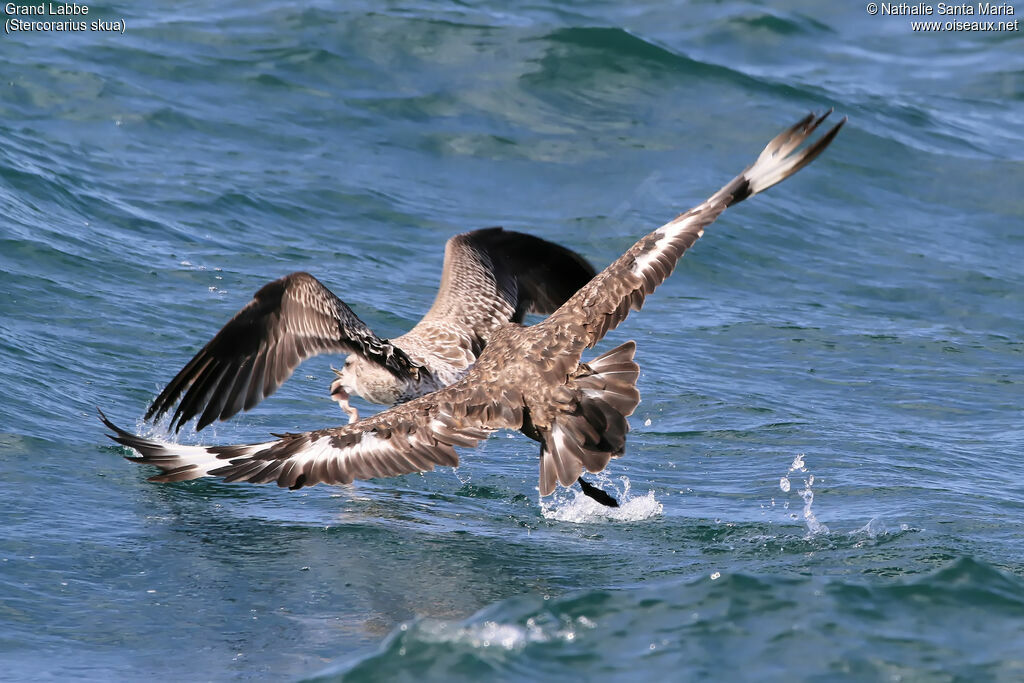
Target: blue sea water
{"points": [[824, 478]]}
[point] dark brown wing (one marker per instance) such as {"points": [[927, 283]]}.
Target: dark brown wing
{"points": [[543, 274], [287, 321], [606, 301], [412, 437], [493, 276]]}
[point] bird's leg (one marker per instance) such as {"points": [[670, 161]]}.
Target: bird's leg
{"points": [[597, 494]]}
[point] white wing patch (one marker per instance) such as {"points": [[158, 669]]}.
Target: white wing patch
{"points": [[692, 221], [642, 263], [336, 456]]}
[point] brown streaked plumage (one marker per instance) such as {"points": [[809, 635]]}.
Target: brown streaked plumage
{"points": [[490, 277], [528, 378]]}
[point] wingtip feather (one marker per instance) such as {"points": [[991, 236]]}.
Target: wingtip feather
{"points": [[779, 159]]}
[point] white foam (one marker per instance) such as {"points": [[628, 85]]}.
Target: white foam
{"points": [[493, 634], [572, 505], [496, 635]]}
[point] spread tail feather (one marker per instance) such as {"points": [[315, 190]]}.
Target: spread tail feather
{"points": [[596, 430]]}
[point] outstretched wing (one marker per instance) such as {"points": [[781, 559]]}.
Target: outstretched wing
{"points": [[493, 276], [606, 301], [412, 437], [287, 321]]}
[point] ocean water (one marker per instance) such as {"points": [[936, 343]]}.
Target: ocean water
{"points": [[824, 478]]}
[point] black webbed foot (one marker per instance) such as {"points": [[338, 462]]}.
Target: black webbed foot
{"points": [[598, 494]]}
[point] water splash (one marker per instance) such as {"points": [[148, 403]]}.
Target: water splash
{"points": [[876, 530], [814, 526], [463, 479], [572, 505], [873, 529]]}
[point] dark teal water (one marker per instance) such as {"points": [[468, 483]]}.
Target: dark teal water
{"points": [[866, 314]]}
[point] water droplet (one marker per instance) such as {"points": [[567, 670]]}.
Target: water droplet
{"points": [[784, 484], [798, 463]]}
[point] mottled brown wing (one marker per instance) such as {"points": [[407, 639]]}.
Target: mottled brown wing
{"points": [[287, 321], [412, 437], [623, 286], [494, 276]]}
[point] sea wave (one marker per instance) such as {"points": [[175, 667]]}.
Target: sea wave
{"points": [[724, 624]]}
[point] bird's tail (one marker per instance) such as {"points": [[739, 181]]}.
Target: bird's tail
{"points": [[595, 431]]}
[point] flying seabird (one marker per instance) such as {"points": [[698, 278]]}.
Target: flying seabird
{"points": [[529, 379], [490, 277]]}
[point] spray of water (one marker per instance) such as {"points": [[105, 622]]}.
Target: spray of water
{"points": [[572, 505], [814, 527]]}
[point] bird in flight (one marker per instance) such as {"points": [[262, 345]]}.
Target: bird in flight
{"points": [[490, 277], [530, 379]]}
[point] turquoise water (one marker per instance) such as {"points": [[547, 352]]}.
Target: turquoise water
{"points": [[865, 315]]}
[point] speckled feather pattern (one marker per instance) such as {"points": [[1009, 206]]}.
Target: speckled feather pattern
{"points": [[490, 276], [527, 378]]}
